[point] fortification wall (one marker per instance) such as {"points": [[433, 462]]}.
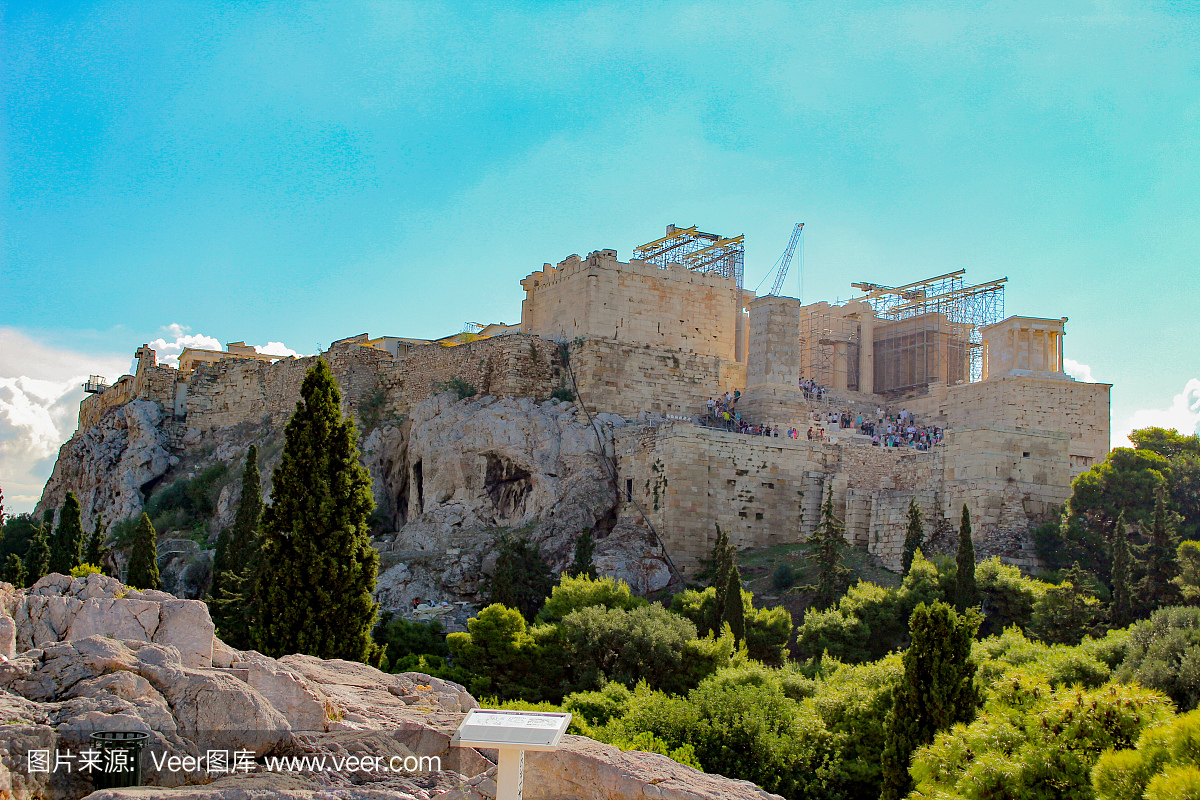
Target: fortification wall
{"points": [[634, 303], [1027, 402], [627, 379], [768, 491]]}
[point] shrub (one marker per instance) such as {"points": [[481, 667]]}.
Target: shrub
{"points": [[1164, 653], [565, 395], [457, 385], [503, 655], [1032, 741], [401, 638], [767, 629], [1165, 761], [83, 570], [599, 707], [783, 578], [1008, 597], [187, 504], [578, 592], [647, 643]]}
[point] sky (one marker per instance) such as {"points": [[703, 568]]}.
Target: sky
{"points": [[292, 173]]}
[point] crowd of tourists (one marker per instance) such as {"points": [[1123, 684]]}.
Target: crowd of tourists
{"points": [[885, 428]]}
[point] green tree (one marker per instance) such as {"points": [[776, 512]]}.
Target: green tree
{"points": [[1188, 580], [734, 612], [965, 593], [938, 689], [521, 579], [95, 549], [710, 572], [37, 559], [1067, 612], [237, 560], [142, 572], [19, 531], [574, 592], [1125, 481], [1121, 608], [829, 540], [312, 593], [585, 548], [66, 550], [914, 535], [14, 571], [1167, 442], [1, 508], [1160, 556]]}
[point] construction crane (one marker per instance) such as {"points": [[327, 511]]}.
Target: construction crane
{"points": [[785, 260]]}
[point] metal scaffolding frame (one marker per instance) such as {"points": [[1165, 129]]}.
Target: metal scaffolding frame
{"points": [[821, 355], [965, 310], [702, 252]]}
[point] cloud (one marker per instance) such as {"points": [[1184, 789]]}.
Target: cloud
{"points": [[168, 351], [40, 390], [1080, 372], [277, 349], [1183, 415]]}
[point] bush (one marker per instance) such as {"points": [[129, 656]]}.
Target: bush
{"points": [[1164, 765], [1058, 665], [783, 578], [647, 643], [83, 570], [457, 385], [505, 656], [579, 592], [186, 504], [402, 638], [1164, 653], [767, 629], [1008, 597], [565, 395], [1032, 741]]}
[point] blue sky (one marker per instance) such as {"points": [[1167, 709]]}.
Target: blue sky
{"points": [[299, 172]]}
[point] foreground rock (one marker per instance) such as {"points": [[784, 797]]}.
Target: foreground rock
{"points": [[90, 655]]}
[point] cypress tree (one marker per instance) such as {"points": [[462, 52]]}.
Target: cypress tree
{"points": [[143, 557], [1, 507], [37, 559], [14, 571], [734, 613], [237, 560], [1161, 559], [829, 539], [95, 549], [1121, 609], [937, 690], [66, 550], [312, 593], [965, 594], [710, 567], [585, 548], [724, 561], [914, 536]]}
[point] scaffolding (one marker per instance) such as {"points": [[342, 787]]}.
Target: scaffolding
{"points": [[945, 321], [707, 253], [831, 347]]}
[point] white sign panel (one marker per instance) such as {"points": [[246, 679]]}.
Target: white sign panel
{"points": [[527, 730]]}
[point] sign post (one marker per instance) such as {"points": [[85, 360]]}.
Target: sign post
{"points": [[511, 733]]}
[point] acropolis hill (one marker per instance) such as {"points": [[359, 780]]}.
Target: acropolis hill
{"points": [[641, 345]]}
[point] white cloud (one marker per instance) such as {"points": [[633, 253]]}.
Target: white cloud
{"points": [[1080, 372], [277, 349], [40, 390], [168, 350], [1183, 415]]}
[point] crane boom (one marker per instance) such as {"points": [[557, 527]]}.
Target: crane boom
{"points": [[785, 260]]}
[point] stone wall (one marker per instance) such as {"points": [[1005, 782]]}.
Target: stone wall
{"points": [[635, 303], [1029, 402], [627, 379]]}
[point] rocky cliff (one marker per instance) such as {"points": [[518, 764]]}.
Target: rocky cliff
{"points": [[448, 479], [80, 656]]}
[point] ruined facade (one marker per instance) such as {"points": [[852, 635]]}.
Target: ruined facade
{"points": [[648, 344]]}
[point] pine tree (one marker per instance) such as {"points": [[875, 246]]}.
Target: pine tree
{"points": [[965, 594], [734, 612], [1121, 609], [143, 557], [1161, 559], [312, 593], [585, 548], [14, 571], [914, 536], [937, 691], [829, 540], [1066, 613], [522, 578], [236, 562], [66, 550], [37, 559]]}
